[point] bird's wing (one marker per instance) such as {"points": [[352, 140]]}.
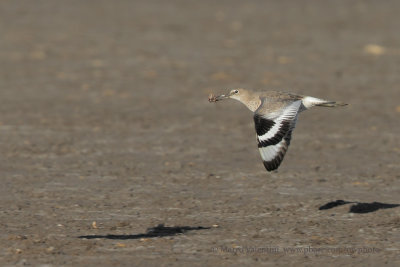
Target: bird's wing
{"points": [[274, 132]]}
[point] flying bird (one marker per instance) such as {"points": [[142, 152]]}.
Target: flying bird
{"points": [[275, 117]]}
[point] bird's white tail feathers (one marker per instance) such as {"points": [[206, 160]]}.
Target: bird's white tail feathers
{"points": [[310, 101]]}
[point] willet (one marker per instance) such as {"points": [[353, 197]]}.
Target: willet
{"points": [[275, 117]]}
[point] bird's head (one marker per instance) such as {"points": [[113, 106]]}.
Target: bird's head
{"points": [[249, 98], [234, 93]]}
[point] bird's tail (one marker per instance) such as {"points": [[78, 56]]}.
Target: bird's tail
{"points": [[310, 101], [331, 104]]}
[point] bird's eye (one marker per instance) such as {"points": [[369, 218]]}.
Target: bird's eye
{"points": [[236, 91]]}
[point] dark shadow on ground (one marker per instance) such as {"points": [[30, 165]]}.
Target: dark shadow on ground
{"points": [[158, 231], [359, 207]]}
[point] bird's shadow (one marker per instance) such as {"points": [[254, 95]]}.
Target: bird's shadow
{"points": [[158, 231], [359, 207], [163, 231]]}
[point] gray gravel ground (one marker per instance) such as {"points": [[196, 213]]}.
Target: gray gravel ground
{"points": [[105, 131]]}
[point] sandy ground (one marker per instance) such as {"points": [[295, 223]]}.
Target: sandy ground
{"points": [[105, 131]]}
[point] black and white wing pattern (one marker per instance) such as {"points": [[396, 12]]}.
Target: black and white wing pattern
{"points": [[274, 131]]}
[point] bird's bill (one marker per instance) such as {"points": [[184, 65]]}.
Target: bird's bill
{"points": [[221, 97], [212, 98]]}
